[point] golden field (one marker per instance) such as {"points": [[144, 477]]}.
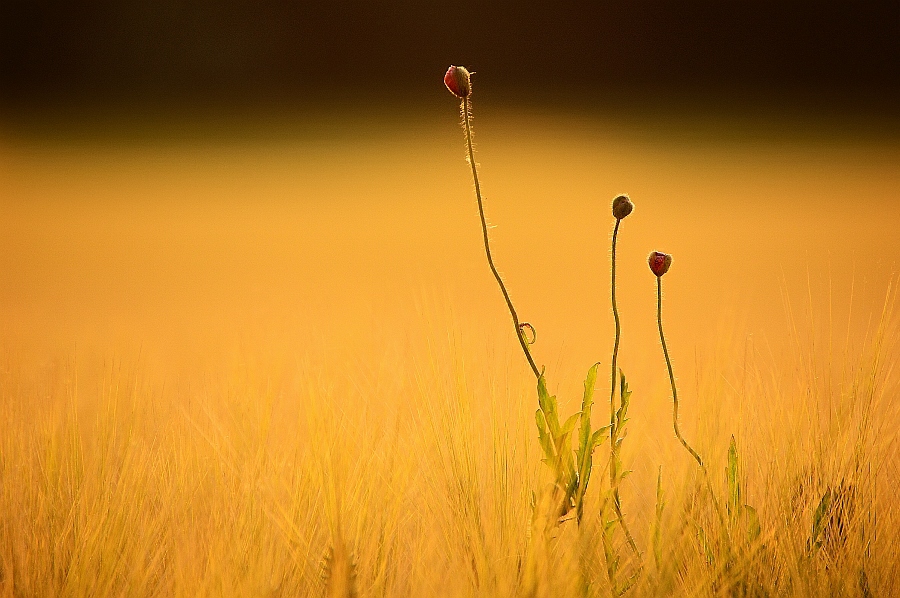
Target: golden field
{"points": [[226, 357]]}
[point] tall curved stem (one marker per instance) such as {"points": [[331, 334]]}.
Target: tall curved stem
{"points": [[615, 353], [662, 338], [487, 247], [613, 432]]}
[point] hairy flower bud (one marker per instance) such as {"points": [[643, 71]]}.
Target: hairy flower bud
{"points": [[457, 81], [659, 262], [622, 206]]}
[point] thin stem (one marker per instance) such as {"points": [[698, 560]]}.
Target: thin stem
{"points": [[662, 339], [613, 432], [617, 505], [615, 353], [487, 248]]}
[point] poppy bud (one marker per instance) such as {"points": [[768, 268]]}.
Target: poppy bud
{"points": [[457, 81], [659, 262], [622, 206]]}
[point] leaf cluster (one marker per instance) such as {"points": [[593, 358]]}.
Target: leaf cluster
{"points": [[571, 469]]}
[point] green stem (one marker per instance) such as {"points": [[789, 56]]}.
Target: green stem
{"points": [[487, 248], [662, 338], [615, 353], [613, 432]]}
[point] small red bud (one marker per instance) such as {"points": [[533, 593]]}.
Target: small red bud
{"points": [[622, 207], [457, 81], [659, 262]]}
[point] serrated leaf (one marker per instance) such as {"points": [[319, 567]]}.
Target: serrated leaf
{"points": [[587, 403], [541, 423], [543, 438], [543, 395], [622, 416], [584, 477], [625, 393], [586, 443], [547, 404], [599, 436]]}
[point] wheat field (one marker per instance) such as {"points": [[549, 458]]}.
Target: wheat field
{"points": [[273, 362]]}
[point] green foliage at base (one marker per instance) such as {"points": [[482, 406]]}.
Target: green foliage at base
{"points": [[571, 469]]}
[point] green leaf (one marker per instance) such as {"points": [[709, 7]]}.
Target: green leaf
{"points": [[587, 403], [541, 424], [586, 443], [733, 479], [547, 404], [625, 393], [571, 488], [562, 445], [570, 424], [566, 454], [819, 520], [543, 395], [598, 437], [821, 510], [754, 530], [707, 548], [656, 532], [543, 438], [584, 477]]}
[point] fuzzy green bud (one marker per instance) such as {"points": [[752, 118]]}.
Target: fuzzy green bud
{"points": [[622, 207]]}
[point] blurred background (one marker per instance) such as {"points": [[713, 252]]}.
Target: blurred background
{"points": [[217, 214], [242, 51], [179, 178]]}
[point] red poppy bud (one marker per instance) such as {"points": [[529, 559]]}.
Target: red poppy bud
{"points": [[659, 262], [622, 206], [457, 81]]}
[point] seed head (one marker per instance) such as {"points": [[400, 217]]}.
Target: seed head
{"points": [[457, 81], [622, 206], [659, 262]]}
